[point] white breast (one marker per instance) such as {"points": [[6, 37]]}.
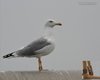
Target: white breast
{"points": [[46, 50]]}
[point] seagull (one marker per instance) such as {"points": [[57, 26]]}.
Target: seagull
{"points": [[40, 47]]}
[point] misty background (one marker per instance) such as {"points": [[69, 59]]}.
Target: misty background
{"points": [[22, 21]]}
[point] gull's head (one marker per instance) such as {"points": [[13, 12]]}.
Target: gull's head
{"points": [[52, 24]]}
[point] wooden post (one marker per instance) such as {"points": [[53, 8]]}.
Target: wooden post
{"points": [[88, 71], [90, 68], [85, 70]]}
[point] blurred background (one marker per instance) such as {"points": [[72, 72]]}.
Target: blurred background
{"points": [[22, 21]]}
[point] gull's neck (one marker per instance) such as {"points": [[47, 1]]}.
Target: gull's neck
{"points": [[48, 33]]}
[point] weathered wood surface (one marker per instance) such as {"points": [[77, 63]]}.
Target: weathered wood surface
{"points": [[44, 75]]}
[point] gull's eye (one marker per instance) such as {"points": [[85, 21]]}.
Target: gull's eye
{"points": [[50, 21]]}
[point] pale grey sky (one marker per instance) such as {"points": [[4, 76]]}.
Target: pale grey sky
{"points": [[22, 21]]}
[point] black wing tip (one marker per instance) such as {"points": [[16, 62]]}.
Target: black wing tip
{"points": [[8, 55]]}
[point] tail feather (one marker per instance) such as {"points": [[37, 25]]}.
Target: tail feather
{"points": [[8, 55]]}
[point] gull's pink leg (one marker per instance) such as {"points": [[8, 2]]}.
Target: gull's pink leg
{"points": [[40, 64]]}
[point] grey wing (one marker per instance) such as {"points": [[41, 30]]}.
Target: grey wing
{"points": [[32, 47]]}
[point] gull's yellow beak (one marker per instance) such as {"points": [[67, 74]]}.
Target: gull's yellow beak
{"points": [[59, 24]]}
